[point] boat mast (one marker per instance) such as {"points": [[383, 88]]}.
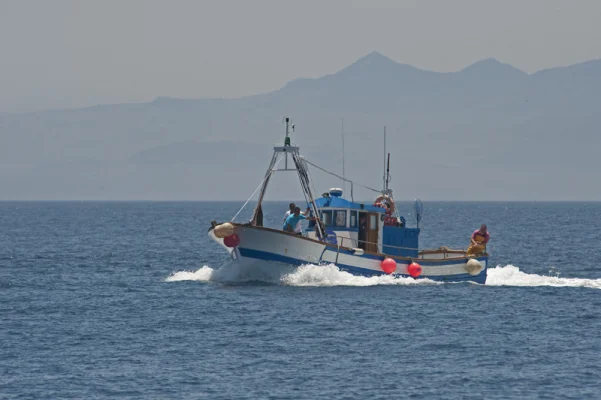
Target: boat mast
{"points": [[258, 212], [300, 166], [343, 178], [287, 139], [387, 173], [384, 185], [287, 148]]}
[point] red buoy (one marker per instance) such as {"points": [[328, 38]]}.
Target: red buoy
{"points": [[414, 269], [388, 265], [232, 240]]}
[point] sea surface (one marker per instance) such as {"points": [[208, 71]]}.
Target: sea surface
{"points": [[131, 300]]}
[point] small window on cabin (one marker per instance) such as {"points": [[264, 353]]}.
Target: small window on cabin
{"points": [[353, 219], [340, 218], [373, 222], [326, 217]]}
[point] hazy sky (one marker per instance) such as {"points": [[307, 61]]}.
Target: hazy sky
{"points": [[78, 53]]}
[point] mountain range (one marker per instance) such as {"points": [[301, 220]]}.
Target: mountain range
{"points": [[487, 132]]}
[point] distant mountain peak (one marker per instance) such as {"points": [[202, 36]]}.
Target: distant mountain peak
{"points": [[492, 66], [372, 61], [374, 57], [488, 61], [374, 64]]}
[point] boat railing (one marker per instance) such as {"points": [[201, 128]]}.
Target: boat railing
{"points": [[354, 243]]}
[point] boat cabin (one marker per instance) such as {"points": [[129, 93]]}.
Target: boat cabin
{"points": [[373, 227]]}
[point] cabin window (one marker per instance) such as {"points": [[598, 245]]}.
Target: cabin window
{"points": [[326, 217], [373, 222], [353, 219], [340, 218]]}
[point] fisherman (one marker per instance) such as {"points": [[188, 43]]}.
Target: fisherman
{"points": [[293, 221], [478, 241], [298, 228], [291, 206]]}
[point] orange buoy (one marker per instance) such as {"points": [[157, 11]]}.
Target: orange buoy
{"points": [[388, 265], [232, 240], [414, 269]]}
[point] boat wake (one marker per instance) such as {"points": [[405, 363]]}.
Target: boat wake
{"points": [[235, 273], [330, 275], [203, 274], [305, 275], [510, 275]]}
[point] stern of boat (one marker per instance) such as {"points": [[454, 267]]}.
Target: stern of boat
{"points": [[454, 264]]}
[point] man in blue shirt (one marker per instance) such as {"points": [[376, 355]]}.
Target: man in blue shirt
{"points": [[298, 228], [293, 219]]}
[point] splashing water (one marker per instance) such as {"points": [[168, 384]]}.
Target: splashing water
{"points": [[510, 275], [203, 274], [330, 275], [305, 275], [233, 272]]}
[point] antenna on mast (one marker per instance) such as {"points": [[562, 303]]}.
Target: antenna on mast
{"points": [[343, 178], [384, 186], [387, 173], [287, 139]]}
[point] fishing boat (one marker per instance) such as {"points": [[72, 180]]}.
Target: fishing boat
{"points": [[364, 239]]}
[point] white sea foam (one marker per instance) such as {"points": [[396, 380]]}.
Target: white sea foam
{"points": [[330, 275], [233, 272], [305, 275], [510, 275], [203, 274]]}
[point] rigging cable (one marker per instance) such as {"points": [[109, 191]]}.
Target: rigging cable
{"points": [[340, 177], [311, 180], [258, 187], [306, 185]]}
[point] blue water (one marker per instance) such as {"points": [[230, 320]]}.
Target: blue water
{"points": [[131, 300]]}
